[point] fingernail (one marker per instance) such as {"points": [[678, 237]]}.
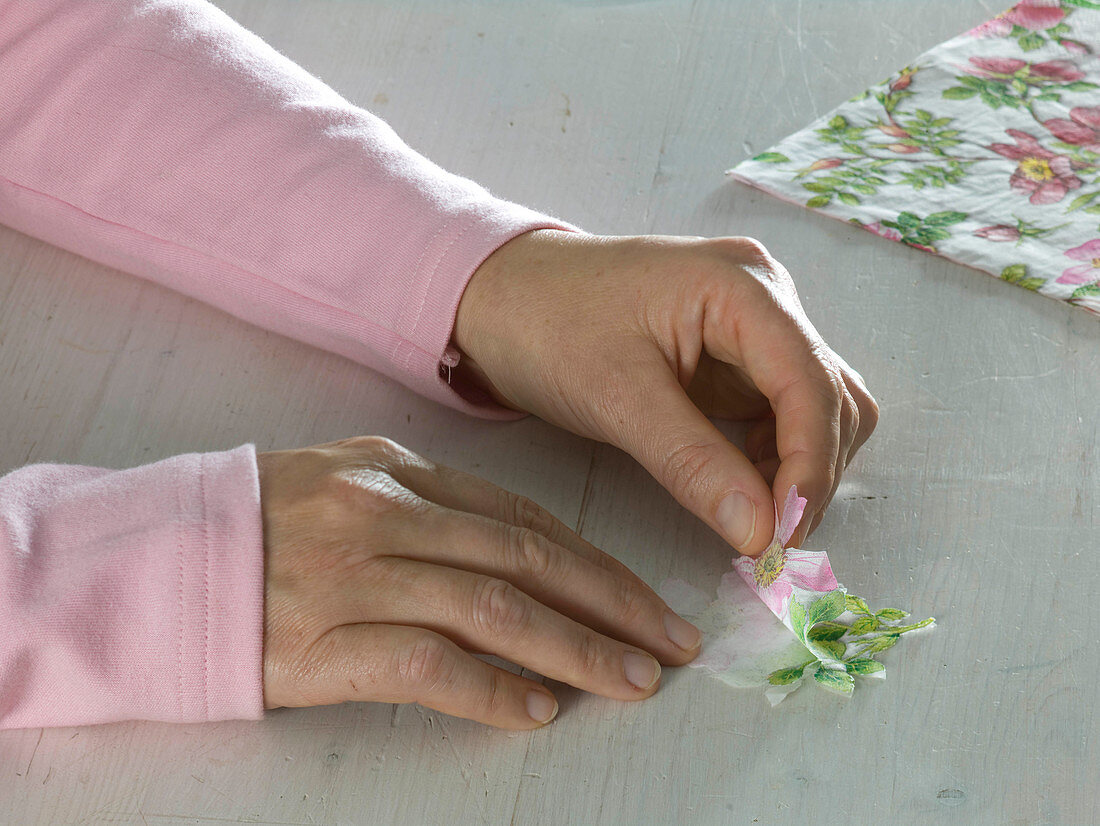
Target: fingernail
{"points": [[542, 708], [737, 518], [682, 633], [641, 670]]}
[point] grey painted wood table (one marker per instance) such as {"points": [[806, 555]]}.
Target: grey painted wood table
{"points": [[975, 501]]}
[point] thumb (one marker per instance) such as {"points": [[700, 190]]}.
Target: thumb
{"points": [[690, 457]]}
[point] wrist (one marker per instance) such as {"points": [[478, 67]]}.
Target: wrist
{"points": [[482, 310], [488, 327]]}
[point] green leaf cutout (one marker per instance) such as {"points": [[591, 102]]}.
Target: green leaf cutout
{"points": [[772, 157], [825, 608], [959, 93], [939, 219], [838, 122], [833, 648], [1033, 283], [1081, 86], [827, 631], [1014, 272], [1086, 290], [798, 617], [892, 614], [786, 676], [1081, 200], [864, 625], [855, 604], [1083, 4], [864, 666], [838, 681], [848, 198], [819, 201], [881, 643], [1031, 41]]}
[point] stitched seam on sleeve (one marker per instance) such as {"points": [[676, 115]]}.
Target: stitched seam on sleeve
{"points": [[470, 224], [205, 593], [359, 319], [431, 275]]}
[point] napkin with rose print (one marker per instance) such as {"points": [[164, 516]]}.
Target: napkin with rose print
{"points": [[986, 150], [822, 632]]}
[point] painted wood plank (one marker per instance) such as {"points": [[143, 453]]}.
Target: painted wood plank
{"points": [[975, 501]]}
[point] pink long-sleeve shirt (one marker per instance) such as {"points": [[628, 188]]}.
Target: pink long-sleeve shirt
{"points": [[161, 138]]}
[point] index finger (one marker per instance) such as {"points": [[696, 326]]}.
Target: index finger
{"points": [[760, 326]]}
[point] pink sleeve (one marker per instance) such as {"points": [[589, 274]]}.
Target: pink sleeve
{"points": [[162, 138], [131, 593]]}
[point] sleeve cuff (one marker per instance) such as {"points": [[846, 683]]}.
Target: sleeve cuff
{"points": [[132, 594]]}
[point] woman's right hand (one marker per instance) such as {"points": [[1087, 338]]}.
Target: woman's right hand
{"points": [[383, 571]]}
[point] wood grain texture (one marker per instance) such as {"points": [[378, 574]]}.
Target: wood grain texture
{"points": [[975, 501]]}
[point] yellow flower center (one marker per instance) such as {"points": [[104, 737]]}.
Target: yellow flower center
{"points": [[1036, 169], [769, 566], [1096, 263]]}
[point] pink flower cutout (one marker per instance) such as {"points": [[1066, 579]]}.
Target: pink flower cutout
{"points": [[1061, 70], [1086, 273], [777, 572], [1004, 68], [1000, 232], [1081, 128], [990, 66], [1074, 46], [1047, 176], [1033, 15]]}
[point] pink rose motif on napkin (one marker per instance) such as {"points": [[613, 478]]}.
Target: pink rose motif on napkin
{"points": [[1081, 128], [984, 150], [1088, 272], [1040, 172], [1034, 15]]}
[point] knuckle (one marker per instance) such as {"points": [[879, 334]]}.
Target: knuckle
{"points": [[426, 664], [373, 445], [824, 379], [632, 605], [740, 249], [499, 608], [751, 256], [381, 453], [851, 416], [588, 654], [752, 249], [496, 695], [869, 414], [528, 514], [529, 552], [687, 466]]}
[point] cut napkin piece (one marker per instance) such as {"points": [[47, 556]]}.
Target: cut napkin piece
{"points": [[986, 150], [821, 630]]}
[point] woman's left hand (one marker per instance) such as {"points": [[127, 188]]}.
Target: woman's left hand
{"points": [[635, 341]]}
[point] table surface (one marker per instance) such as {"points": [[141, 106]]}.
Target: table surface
{"points": [[974, 501]]}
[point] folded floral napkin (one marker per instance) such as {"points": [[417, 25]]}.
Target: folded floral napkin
{"points": [[822, 631], [986, 150]]}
